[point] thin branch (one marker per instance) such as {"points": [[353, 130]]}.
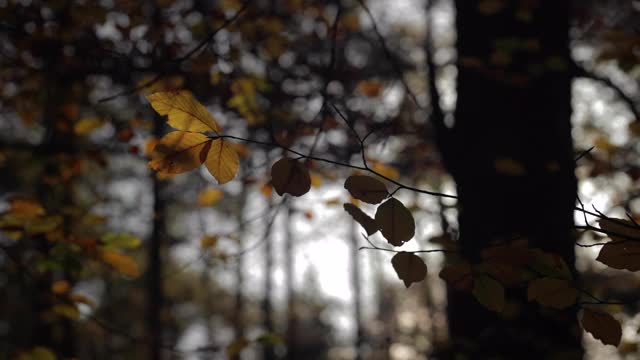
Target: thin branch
{"points": [[582, 72]]}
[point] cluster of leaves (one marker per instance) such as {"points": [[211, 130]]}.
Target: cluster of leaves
{"points": [[547, 278]]}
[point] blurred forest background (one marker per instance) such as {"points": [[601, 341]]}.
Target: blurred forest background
{"points": [[103, 258]]}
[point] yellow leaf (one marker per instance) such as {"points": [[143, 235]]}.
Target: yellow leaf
{"points": [[622, 255], [26, 208], [366, 188], [396, 222], [409, 267], [121, 263], [602, 326], [554, 293], [508, 166], [68, 311], [369, 224], [222, 161], [60, 287], [489, 293], [458, 276], [179, 151], [150, 144], [183, 111], [290, 176], [316, 180], [208, 241], [209, 197], [37, 353], [385, 170], [86, 125]]}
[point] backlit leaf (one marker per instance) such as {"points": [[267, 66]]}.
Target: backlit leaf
{"points": [[369, 224], [290, 176], [409, 267], [86, 126], [121, 263], [622, 255], [602, 326], [366, 188], [489, 293], [121, 240], [209, 197], [183, 111], [554, 293], [222, 161], [396, 222], [60, 287], [179, 151], [208, 241]]}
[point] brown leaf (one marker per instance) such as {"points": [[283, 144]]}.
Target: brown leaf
{"points": [[366, 188], [554, 293], [179, 151], [290, 176], [621, 255], [602, 326], [619, 229], [458, 276], [489, 293], [369, 224], [396, 222], [409, 267]]}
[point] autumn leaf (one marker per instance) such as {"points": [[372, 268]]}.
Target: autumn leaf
{"points": [[369, 224], [120, 240], [37, 353], [458, 276], [208, 241], [549, 265], [26, 208], [602, 326], [222, 161], [179, 152], [236, 347], [86, 126], [68, 311], [489, 293], [209, 196], [60, 287], [396, 222], [121, 263], [409, 267], [290, 176], [366, 188], [553, 293], [183, 111], [621, 255], [370, 88], [620, 229]]}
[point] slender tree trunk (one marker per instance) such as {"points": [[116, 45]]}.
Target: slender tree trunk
{"points": [[266, 305], [155, 294], [356, 288], [239, 305], [513, 104], [289, 258]]}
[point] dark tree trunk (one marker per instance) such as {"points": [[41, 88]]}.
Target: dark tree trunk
{"points": [[155, 293], [357, 289], [513, 104]]}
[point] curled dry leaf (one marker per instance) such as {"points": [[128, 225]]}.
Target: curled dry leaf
{"points": [[183, 111], [290, 176], [396, 222], [369, 224], [602, 326], [409, 267], [179, 152], [553, 293], [621, 255], [366, 188]]}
